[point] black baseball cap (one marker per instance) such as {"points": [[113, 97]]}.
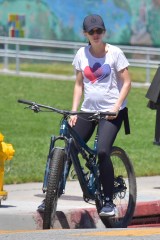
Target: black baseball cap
{"points": [[93, 21]]}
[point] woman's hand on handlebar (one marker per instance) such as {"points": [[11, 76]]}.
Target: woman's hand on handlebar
{"points": [[115, 110], [72, 120]]}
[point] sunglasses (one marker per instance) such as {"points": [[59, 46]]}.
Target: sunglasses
{"points": [[98, 31]]}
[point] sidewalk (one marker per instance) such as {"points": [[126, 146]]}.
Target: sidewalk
{"points": [[19, 210], [56, 77]]}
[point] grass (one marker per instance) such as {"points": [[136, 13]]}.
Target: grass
{"points": [[30, 133], [137, 74], [51, 68]]}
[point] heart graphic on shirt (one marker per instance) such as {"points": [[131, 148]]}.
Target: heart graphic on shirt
{"points": [[98, 72]]}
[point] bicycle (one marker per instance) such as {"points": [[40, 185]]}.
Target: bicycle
{"points": [[57, 168]]}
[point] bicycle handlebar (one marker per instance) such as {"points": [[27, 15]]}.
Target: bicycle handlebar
{"points": [[25, 102], [36, 107]]}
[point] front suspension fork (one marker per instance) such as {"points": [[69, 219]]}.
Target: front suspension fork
{"points": [[45, 181]]}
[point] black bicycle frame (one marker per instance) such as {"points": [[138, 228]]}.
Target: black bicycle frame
{"points": [[89, 185]]}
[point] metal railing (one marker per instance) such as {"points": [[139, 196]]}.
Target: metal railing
{"points": [[63, 51]]}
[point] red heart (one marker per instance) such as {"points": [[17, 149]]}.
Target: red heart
{"points": [[89, 73]]}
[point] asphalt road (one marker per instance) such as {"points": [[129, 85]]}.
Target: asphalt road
{"points": [[84, 234]]}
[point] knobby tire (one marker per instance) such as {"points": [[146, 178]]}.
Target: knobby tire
{"points": [[124, 201], [53, 187]]}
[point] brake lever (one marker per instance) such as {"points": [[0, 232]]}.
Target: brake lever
{"points": [[34, 108], [95, 116]]}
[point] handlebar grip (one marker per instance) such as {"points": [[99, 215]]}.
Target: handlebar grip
{"points": [[111, 113], [25, 101], [108, 113]]}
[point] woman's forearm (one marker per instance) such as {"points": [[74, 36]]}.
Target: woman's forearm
{"points": [[76, 97], [78, 90], [124, 75], [123, 94]]}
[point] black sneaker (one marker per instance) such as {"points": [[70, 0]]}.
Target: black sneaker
{"points": [[108, 210], [41, 207]]}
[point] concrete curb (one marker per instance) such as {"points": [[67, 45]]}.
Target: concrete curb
{"points": [[146, 213], [19, 211], [73, 219]]}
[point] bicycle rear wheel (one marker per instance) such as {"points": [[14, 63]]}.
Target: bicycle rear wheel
{"points": [[53, 187], [125, 190]]}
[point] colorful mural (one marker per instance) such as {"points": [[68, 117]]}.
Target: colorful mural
{"points": [[16, 25], [127, 22]]}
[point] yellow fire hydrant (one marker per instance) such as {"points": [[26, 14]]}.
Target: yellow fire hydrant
{"points": [[6, 153]]}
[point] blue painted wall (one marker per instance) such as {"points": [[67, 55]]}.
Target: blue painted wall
{"points": [[127, 22]]}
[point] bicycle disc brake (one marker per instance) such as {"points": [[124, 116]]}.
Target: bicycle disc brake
{"points": [[119, 187]]}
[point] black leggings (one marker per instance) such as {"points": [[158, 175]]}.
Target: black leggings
{"points": [[107, 132]]}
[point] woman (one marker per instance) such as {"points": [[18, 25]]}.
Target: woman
{"points": [[102, 75]]}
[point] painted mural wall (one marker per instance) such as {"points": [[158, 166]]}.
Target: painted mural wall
{"points": [[128, 22]]}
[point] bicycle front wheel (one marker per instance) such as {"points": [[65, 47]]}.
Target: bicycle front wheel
{"points": [[53, 187], [125, 190]]}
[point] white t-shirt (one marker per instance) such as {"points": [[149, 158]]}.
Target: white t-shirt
{"points": [[100, 79]]}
